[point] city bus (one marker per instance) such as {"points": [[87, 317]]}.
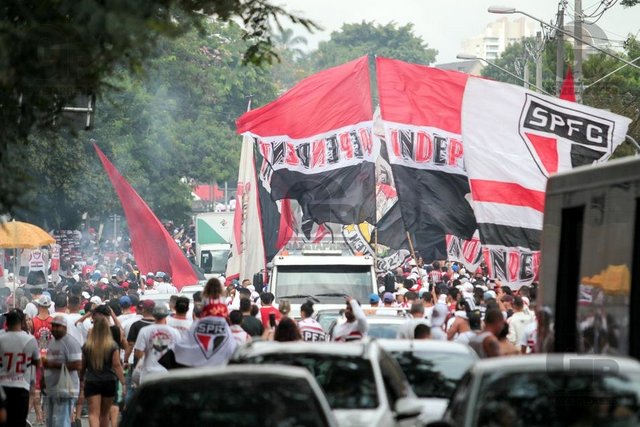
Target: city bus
{"points": [[590, 268]]}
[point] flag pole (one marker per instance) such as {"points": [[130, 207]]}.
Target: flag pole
{"points": [[413, 252]]}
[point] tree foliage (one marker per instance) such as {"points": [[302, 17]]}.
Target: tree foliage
{"points": [[164, 131], [619, 93], [53, 51], [367, 38]]}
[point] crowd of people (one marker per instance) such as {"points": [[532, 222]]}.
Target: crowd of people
{"points": [[82, 345]]}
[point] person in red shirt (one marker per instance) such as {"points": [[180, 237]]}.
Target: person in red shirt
{"points": [[267, 308], [42, 333]]}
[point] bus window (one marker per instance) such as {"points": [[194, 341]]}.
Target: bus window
{"points": [[602, 309], [568, 277], [634, 321]]}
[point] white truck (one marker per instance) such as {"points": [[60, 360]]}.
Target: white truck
{"points": [[322, 275], [213, 241]]}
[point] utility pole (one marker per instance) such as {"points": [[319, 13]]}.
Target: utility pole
{"points": [[539, 58], [577, 33], [560, 49], [525, 78]]}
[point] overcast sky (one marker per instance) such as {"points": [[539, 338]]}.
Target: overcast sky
{"points": [[443, 24]]}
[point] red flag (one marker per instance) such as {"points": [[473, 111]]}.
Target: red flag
{"points": [[568, 92], [153, 248]]}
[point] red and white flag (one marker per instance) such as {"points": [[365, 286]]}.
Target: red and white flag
{"points": [[317, 147], [514, 139], [247, 246]]}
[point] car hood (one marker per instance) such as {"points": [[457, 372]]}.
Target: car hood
{"points": [[433, 409], [363, 417]]}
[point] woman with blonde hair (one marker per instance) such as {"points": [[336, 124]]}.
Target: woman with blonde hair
{"points": [[284, 307], [101, 368]]}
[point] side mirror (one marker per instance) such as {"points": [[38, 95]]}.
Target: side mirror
{"points": [[407, 407]]}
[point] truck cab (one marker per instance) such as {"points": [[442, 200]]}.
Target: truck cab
{"points": [[213, 236], [324, 275]]}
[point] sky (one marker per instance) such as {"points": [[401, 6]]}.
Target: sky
{"points": [[443, 24]]}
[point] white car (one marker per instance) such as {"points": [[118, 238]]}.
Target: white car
{"points": [[230, 396], [363, 384], [548, 390], [433, 369]]}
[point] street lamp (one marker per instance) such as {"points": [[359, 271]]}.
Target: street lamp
{"points": [[511, 10], [504, 70]]}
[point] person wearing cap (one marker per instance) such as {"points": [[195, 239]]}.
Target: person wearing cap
{"points": [[42, 333], [388, 301], [154, 341], [163, 286], [62, 350], [14, 377]]}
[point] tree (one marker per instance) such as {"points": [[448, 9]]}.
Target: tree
{"points": [[163, 130], [56, 51], [367, 38]]}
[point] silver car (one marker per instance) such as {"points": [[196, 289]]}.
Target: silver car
{"points": [[433, 369], [242, 396], [363, 384], [548, 390]]}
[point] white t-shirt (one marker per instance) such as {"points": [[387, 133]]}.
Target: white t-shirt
{"points": [[72, 329], [529, 337], [155, 340], [181, 325], [311, 330], [239, 334], [517, 324], [166, 288], [18, 350]]}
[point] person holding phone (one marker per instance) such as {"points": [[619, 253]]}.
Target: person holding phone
{"points": [[267, 309]]}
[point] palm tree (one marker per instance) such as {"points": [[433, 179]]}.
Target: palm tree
{"points": [[286, 43]]}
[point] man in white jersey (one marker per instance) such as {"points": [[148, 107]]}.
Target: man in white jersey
{"points": [[180, 320], [355, 327], [310, 329], [18, 352], [154, 341]]}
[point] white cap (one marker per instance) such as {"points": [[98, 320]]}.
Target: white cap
{"points": [[86, 295], [95, 300], [104, 280]]}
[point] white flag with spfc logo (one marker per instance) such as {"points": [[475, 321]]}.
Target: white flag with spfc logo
{"points": [[514, 140]]}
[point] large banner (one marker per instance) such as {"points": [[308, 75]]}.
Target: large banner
{"points": [[247, 245], [514, 140], [317, 147], [420, 108]]}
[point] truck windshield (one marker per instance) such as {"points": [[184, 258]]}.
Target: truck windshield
{"points": [[214, 261], [327, 283]]}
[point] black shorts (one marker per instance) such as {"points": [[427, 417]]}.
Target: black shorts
{"points": [[17, 405], [102, 388]]}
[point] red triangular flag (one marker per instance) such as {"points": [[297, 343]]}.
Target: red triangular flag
{"points": [[568, 92], [153, 248]]}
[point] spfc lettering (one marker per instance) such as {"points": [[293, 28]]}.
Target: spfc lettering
{"points": [[560, 138]]}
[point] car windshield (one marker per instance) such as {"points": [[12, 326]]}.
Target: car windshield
{"points": [[550, 399], [317, 280], [248, 400], [433, 374], [347, 381], [326, 318], [383, 330]]}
